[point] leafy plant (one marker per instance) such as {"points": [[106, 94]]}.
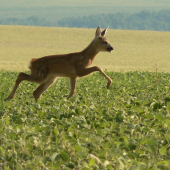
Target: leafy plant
{"points": [[125, 127]]}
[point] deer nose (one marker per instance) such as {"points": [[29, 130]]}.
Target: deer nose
{"points": [[110, 49]]}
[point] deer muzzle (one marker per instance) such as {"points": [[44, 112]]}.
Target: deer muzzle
{"points": [[109, 49]]}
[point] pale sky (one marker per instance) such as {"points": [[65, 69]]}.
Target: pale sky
{"points": [[57, 9], [47, 3]]}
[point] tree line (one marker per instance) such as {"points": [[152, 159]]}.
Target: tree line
{"points": [[144, 20]]}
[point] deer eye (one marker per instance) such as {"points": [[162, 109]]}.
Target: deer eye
{"points": [[104, 42]]}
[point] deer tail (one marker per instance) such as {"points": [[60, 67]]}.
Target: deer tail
{"points": [[31, 62]]}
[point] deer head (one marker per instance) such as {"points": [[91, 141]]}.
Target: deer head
{"points": [[101, 41]]}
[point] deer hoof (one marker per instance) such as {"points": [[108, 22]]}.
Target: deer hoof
{"points": [[8, 98], [109, 84]]}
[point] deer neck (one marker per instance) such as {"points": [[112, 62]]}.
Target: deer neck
{"points": [[90, 51]]}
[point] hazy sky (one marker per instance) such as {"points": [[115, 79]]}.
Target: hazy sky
{"points": [[47, 3], [57, 9]]}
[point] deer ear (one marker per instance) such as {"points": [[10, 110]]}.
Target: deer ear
{"points": [[98, 32], [104, 32]]}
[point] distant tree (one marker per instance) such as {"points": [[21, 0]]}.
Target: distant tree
{"points": [[144, 20]]}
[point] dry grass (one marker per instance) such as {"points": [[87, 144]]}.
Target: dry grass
{"points": [[133, 50]]}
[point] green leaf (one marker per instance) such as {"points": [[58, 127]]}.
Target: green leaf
{"points": [[168, 106], [132, 146], [126, 139], [2, 102], [102, 153], [119, 119], [37, 127], [53, 156], [12, 135], [153, 148], [144, 140], [37, 106], [65, 156], [163, 163], [152, 142], [141, 151], [92, 162], [70, 165], [163, 150], [168, 123], [160, 116], [29, 146], [109, 167], [56, 132], [153, 145], [78, 148], [2, 150], [142, 166], [55, 166], [8, 120], [167, 138], [43, 114]]}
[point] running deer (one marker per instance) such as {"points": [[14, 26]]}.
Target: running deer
{"points": [[45, 70]]}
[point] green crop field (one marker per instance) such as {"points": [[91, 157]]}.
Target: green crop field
{"points": [[125, 127]]}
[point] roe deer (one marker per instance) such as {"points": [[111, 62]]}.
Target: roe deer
{"points": [[45, 70]]}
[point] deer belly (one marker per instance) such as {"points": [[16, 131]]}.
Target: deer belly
{"points": [[65, 72]]}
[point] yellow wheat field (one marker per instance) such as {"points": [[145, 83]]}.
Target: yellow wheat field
{"points": [[133, 50]]}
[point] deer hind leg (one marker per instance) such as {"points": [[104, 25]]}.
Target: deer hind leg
{"points": [[86, 71], [73, 81], [22, 76], [42, 88]]}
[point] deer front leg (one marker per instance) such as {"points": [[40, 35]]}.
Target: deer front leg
{"points": [[86, 71], [73, 81]]}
